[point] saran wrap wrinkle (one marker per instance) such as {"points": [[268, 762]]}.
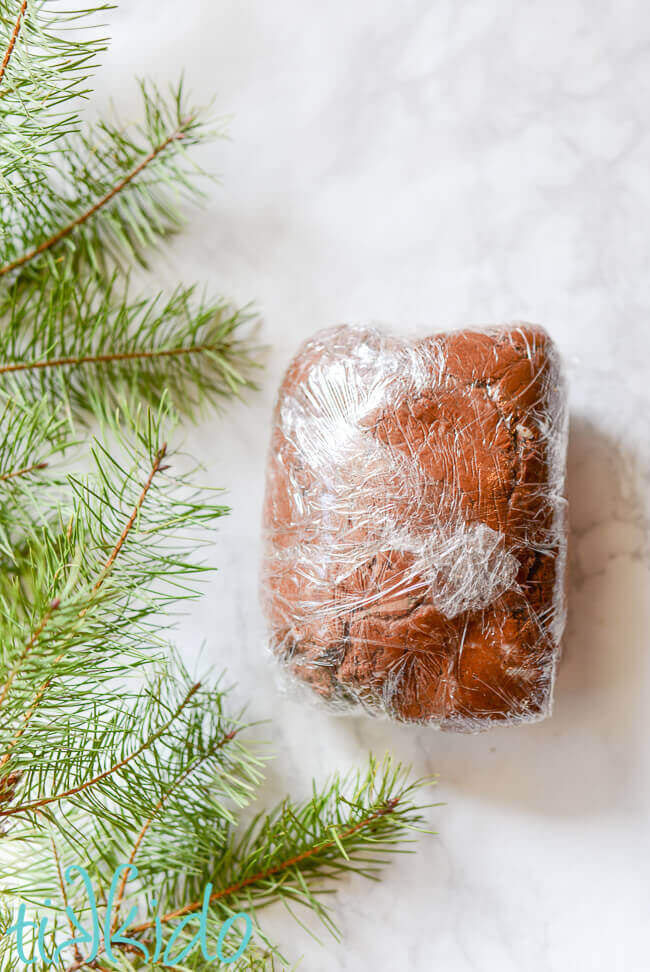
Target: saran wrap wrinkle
{"points": [[415, 523]]}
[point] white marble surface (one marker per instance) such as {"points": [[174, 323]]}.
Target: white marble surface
{"points": [[436, 163]]}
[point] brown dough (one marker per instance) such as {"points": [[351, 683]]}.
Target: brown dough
{"points": [[415, 523]]}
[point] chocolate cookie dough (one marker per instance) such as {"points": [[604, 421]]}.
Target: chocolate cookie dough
{"points": [[414, 520]]}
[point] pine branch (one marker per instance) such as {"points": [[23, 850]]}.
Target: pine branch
{"points": [[83, 217], [287, 866], [31, 444], [37, 633], [85, 349], [29, 439], [193, 739], [18, 664], [42, 624], [349, 825], [104, 775], [116, 194], [128, 526], [70, 332]]}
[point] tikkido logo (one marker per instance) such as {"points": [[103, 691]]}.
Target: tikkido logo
{"points": [[104, 938]]}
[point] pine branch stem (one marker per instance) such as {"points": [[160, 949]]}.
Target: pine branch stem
{"points": [[22, 472], [160, 455], [146, 745], [65, 231], [12, 40], [101, 358]]}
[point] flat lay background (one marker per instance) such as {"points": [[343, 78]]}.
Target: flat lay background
{"points": [[430, 164]]}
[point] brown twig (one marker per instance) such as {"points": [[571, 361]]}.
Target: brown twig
{"points": [[61, 234], [100, 358], [160, 455], [22, 472], [13, 39], [57, 797]]}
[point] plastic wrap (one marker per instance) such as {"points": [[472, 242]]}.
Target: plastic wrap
{"points": [[415, 524]]}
